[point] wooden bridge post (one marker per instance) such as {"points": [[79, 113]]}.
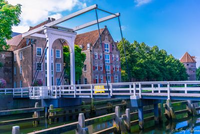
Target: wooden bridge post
{"points": [[15, 130], [191, 108], [81, 129], [169, 110], [141, 117], [50, 114], [128, 120], [156, 113], [36, 115]]}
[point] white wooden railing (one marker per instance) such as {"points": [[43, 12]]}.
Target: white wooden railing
{"points": [[166, 89]]}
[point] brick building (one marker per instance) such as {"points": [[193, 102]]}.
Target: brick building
{"points": [[190, 65], [94, 71], [29, 62]]}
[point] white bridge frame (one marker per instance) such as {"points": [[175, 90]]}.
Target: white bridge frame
{"points": [[178, 90]]}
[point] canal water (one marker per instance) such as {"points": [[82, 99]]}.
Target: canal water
{"points": [[183, 125]]}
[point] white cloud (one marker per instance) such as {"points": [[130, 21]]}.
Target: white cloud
{"points": [[141, 2], [35, 11], [123, 28]]}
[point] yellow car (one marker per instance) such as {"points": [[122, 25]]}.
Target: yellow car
{"points": [[99, 89]]}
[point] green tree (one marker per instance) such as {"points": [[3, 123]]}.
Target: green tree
{"points": [[9, 16], [198, 73], [149, 63], [79, 61]]}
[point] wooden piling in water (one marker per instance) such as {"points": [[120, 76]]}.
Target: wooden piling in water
{"points": [[15, 130], [36, 115]]}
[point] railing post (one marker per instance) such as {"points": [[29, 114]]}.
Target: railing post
{"points": [[130, 88], [81, 128], [13, 92], [60, 91], [158, 88], [15, 130], [55, 91], [21, 92], [168, 91], [33, 91], [134, 90], [91, 87], [185, 85], [128, 119], [111, 89], [74, 88], [5, 91], [152, 87], [140, 90]]}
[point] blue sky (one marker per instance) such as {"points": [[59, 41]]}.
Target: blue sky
{"points": [[173, 25]]}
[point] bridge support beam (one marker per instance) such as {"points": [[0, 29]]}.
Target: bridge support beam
{"points": [[169, 111], [141, 117], [191, 108], [156, 113]]}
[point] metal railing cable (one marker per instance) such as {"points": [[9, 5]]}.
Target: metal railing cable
{"points": [[102, 48]]}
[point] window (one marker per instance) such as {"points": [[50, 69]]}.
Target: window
{"points": [[109, 79], [117, 68], [101, 67], [15, 71], [97, 79], [58, 81], [15, 84], [38, 51], [101, 77], [52, 69], [113, 57], [107, 58], [117, 58], [108, 69], [85, 80], [116, 78], [20, 55], [113, 68], [106, 47], [96, 67], [85, 68], [20, 70], [96, 55], [58, 53], [101, 57], [52, 52], [21, 84], [14, 57], [39, 66], [58, 67]]}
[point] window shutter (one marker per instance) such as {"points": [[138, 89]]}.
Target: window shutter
{"points": [[104, 79], [93, 67], [111, 68], [112, 79], [94, 81]]}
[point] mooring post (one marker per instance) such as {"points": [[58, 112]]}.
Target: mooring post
{"points": [[116, 122], [36, 114], [50, 113], [128, 120], [141, 117], [169, 110], [81, 129], [15, 130], [156, 113], [191, 108]]}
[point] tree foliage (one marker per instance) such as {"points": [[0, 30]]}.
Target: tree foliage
{"points": [[198, 73], [79, 61], [149, 63], [9, 16]]}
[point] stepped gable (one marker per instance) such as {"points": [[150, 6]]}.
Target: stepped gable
{"points": [[187, 58], [89, 37]]}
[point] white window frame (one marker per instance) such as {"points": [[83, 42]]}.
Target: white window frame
{"points": [[107, 60], [113, 57], [20, 69], [59, 53], [96, 67], [37, 51], [20, 55], [117, 57], [106, 47], [85, 67], [116, 79], [108, 69], [97, 78], [113, 67], [101, 78], [58, 71], [37, 66], [15, 70], [96, 55], [101, 56]]}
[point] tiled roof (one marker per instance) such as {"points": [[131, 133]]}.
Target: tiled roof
{"points": [[187, 58], [15, 40], [89, 37]]}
